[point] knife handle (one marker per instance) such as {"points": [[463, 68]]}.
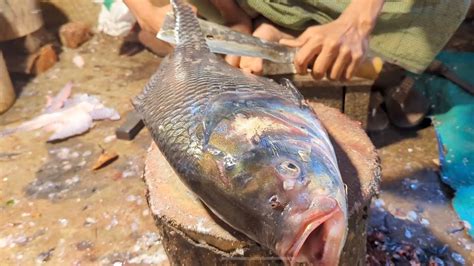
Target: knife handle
{"points": [[370, 68]]}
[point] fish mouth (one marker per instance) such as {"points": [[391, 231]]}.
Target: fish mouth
{"points": [[320, 239]]}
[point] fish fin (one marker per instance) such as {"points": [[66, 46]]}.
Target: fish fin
{"points": [[294, 91], [187, 28]]}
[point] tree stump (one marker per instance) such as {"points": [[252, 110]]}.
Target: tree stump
{"points": [[7, 93], [193, 236], [19, 18]]}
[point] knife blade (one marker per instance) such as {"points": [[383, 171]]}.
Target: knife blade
{"points": [[278, 59]]}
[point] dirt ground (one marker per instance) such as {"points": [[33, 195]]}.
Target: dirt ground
{"points": [[56, 209]]}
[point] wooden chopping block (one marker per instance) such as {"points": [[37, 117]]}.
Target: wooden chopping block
{"points": [[19, 18], [193, 236]]}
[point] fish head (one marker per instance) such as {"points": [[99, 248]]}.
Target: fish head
{"points": [[283, 185]]}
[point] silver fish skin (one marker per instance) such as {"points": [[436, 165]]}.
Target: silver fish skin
{"points": [[248, 147]]}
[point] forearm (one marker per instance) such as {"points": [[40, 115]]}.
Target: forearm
{"points": [[148, 16], [234, 16]]}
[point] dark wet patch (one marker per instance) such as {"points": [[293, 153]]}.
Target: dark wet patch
{"points": [[62, 174]]}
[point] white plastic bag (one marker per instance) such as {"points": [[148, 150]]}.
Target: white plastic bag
{"points": [[116, 19]]}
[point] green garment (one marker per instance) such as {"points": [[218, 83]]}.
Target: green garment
{"points": [[409, 33]]}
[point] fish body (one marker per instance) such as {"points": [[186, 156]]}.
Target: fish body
{"points": [[248, 147]]}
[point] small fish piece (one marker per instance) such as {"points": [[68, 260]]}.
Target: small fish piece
{"points": [[248, 147], [57, 102], [67, 117]]}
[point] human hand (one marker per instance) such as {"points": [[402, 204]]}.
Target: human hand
{"points": [[149, 17], [336, 49], [265, 31]]}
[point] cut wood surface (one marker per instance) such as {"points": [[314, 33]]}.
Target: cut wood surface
{"points": [[19, 18], [193, 236]]}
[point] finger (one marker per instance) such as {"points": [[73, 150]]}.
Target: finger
{"points": [[298, 42], [233, 60], [306, 54], [324, 60], [253, 64], [357, 58], [343, 59]]}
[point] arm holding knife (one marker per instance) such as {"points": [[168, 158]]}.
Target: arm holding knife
{"points": [[335, 48]]}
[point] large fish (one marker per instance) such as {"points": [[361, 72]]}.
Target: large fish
{"points": [[248, 147]]}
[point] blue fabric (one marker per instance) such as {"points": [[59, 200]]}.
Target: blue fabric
{"points": [[453, 118]]}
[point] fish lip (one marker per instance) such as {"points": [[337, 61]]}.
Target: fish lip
{"points": [[313, 222]]}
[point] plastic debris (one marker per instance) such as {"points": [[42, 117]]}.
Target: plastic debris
{"points": [[115, 18], [78, 61]]}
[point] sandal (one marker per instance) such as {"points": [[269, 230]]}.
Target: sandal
{"points": [[406, 107]]}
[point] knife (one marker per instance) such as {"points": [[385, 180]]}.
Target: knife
{"points": [[278, 59]]}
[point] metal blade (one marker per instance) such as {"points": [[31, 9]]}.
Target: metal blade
{"points": [[223, 40]]}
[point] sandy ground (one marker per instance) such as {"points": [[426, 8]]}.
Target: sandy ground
{"points": [[55, 209]]}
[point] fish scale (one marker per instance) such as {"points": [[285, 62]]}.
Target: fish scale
{"points": [[236, 139]]}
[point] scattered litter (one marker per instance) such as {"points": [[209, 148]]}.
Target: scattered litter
{"points": [[379, 203], [67, 117], [10, 202], [155, 259], [424, 222], [412, 216], [410, 150], [458, 258], [90, 221], [134, 227], [131, 198], [408, 233], [78, 61], [84, 245], [114, 222], [63, 222], [45, 256], [110, 138], [86, 154], [105, 158], [412, 184], [62, 154], [115, 19]]}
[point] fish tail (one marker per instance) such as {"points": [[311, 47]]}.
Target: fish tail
{"points": [[188, 31]]}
